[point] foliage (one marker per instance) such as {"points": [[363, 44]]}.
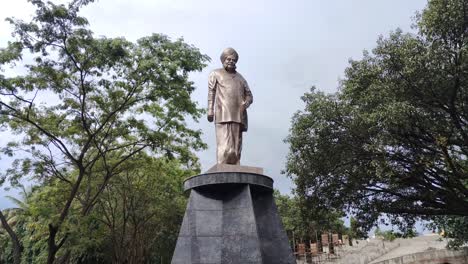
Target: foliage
{"points": [[6, 244], [289, 212], [355, 231], [85, 107], [387, 235], [305, 221], [391, 235], [142, 210], [394, 138], [454, 227], [19, 218], [136, 219]]}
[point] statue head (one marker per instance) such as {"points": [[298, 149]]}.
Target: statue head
{"points": [[229, 58]]}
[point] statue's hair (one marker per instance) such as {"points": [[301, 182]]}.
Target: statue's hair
{"points": [[227, 52]]}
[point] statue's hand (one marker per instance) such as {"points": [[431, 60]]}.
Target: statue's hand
{"points": [[210, 115], [244, 107]]}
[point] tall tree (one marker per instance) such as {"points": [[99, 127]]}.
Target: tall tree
{"points": [[136, 219], [289, 211], [394, 138], [306, 220], [13, 219], [17, 247], [142, 210], [87, 105], [452, 227]]}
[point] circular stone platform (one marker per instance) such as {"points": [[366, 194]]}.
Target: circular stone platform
{"points": [[228, 178]]}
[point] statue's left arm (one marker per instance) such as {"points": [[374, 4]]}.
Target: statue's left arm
{"points": [[211, 95], [248, 98]]}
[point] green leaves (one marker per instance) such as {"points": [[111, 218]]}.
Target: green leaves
{"points": [[11, 53], [88, 105], [394, 138], [453, 227], [97, 82], [445, 21]]}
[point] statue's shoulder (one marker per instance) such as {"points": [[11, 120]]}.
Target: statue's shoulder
{"points": [[240, 76], [217, 72]]}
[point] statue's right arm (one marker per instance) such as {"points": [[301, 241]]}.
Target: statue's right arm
{"points": [[211, 95]]}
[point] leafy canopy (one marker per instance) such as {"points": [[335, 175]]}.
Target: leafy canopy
{"points": [[394, 138], [305, 222], [85, 105]]}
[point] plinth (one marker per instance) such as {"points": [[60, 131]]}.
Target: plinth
{"points": [[231, 217]]}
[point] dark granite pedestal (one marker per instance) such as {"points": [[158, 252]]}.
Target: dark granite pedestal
{"points": [[231, 217]]}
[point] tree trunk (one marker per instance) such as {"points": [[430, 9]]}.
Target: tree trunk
{"points": [[17, 248], [52, 247]]}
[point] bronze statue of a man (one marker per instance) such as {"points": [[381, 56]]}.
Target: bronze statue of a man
{"points": [[229, 97]]}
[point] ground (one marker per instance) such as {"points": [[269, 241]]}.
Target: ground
{"points": [[374, 251]]}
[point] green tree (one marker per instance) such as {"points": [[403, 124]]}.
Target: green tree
{"points": [[9, 240], [21, 219], [394, 138], [136, 218], [108, 99], [355, 232], [307, 222], [13, 221], [452, 227], [290, 214], [142, 210]]}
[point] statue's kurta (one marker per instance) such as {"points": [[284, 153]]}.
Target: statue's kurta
{"points": [[228, 98]]}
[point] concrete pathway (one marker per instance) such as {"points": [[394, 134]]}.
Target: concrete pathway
{"points": [[417, 244], [375, 250]]}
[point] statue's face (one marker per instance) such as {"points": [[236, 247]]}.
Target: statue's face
{"points": [[230, 63]]}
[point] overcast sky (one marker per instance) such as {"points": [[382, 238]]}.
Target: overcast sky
{"points": [[285, 47]]}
